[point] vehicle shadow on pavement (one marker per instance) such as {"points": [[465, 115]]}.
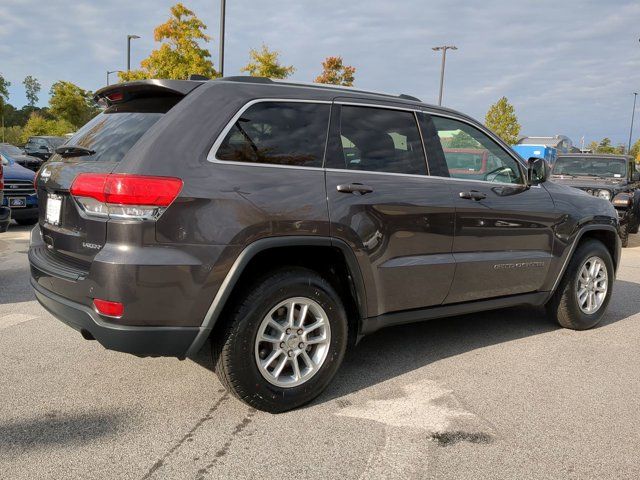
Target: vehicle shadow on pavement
{"points": [[398, 350], [29, 434]]}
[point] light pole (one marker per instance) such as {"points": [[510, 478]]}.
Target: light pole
{"points": [[129, 38], [109, 72], [444, 49], [633, 114], [222, 15]]}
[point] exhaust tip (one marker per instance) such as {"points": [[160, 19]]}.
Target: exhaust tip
{"points": [[86, 334]]}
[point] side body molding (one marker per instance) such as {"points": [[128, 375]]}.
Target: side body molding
{"points": [[249, 252]]}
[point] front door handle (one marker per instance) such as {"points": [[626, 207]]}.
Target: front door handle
{"points": [[473, 195], [354, 188]]}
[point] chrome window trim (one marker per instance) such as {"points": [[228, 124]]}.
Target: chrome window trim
{"points": [[371, 172], [376, 105], [487, 132], [211, 156], [385, 107], [213, 151]]}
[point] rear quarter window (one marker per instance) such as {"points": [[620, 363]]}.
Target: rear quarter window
{"points": [[278, 133]]}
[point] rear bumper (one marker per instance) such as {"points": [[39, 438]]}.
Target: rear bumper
{"points": [[140, 341]]}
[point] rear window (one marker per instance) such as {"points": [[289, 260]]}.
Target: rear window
{"points": [[113, 132], [279, 133]]}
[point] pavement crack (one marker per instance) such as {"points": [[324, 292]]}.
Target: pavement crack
{"points": [[209, 415], [222, 451]]}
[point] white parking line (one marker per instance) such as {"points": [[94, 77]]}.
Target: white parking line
{"points": [[14, 319]]}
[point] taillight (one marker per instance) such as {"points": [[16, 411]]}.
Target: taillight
{"points": [[117, 195]]}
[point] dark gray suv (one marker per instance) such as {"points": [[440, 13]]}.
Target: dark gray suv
{"points": [[283, 221]]}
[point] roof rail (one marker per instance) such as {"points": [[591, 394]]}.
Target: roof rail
{"points": [[247, 79], [266, 80]]}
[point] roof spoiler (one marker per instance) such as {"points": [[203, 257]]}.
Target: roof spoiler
{"points": [[122, 92]]}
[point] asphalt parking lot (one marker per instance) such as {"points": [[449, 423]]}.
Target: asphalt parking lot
{"points": [[505, 394]]}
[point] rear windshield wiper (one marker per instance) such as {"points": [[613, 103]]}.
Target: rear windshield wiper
{"points": [[74, 151]]}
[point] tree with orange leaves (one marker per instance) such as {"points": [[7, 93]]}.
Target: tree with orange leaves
{"points": [[336, 73], [180, 53]]}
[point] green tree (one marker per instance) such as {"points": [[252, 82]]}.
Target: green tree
{"points": [[264, 63], [4, 91], [4, 96], [334, 72], [71, 103], [635, 150], [463, 140], [180, 54], [38, 125], [605, 146], [502, 119], [32, 88], [13, 135]]}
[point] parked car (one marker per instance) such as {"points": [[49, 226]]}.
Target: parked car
{"points": [[164, 227], [5, 212], [19, 192], [43, 146], [611, 177], [18, 155], [467, 162]]}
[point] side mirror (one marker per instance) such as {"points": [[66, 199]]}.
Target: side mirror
{"points": [[635, 177], [537, 171]]}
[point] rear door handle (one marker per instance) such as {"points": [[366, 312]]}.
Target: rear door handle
{"points": [[473, 195], [354, 188]]}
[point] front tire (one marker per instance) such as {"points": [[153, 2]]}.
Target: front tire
{"points": [[623, 231], [284, 341], [585, 290]]}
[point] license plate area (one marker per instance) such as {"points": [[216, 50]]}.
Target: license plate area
{"points": [[17, 202], [54, 209]]}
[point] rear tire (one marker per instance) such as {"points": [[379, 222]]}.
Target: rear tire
{"points": [[240, 358], [566, 305]]}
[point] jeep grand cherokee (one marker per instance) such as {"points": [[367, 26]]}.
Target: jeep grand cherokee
{"points": [[283, 221]]}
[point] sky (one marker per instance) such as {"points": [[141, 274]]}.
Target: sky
{"points": [[569, 67]]}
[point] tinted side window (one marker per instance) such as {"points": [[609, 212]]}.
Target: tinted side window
{"points": [[281, 133], [381, 140], [471, 154]]}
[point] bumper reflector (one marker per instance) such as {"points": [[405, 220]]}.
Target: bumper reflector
{"points": [[107, 308]]}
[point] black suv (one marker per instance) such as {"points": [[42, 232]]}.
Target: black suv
{"points": [[612, 177], [284, 221], [43, 146], [14, 153]]}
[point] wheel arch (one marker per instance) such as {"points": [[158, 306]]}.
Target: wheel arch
{"points": [[270, 251], [606, 234]]}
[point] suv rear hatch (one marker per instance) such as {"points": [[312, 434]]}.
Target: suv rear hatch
{"points": [[71, 235]]}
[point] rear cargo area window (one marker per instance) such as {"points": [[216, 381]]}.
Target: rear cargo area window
{"points": [[111, 134], [278, 133]]}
